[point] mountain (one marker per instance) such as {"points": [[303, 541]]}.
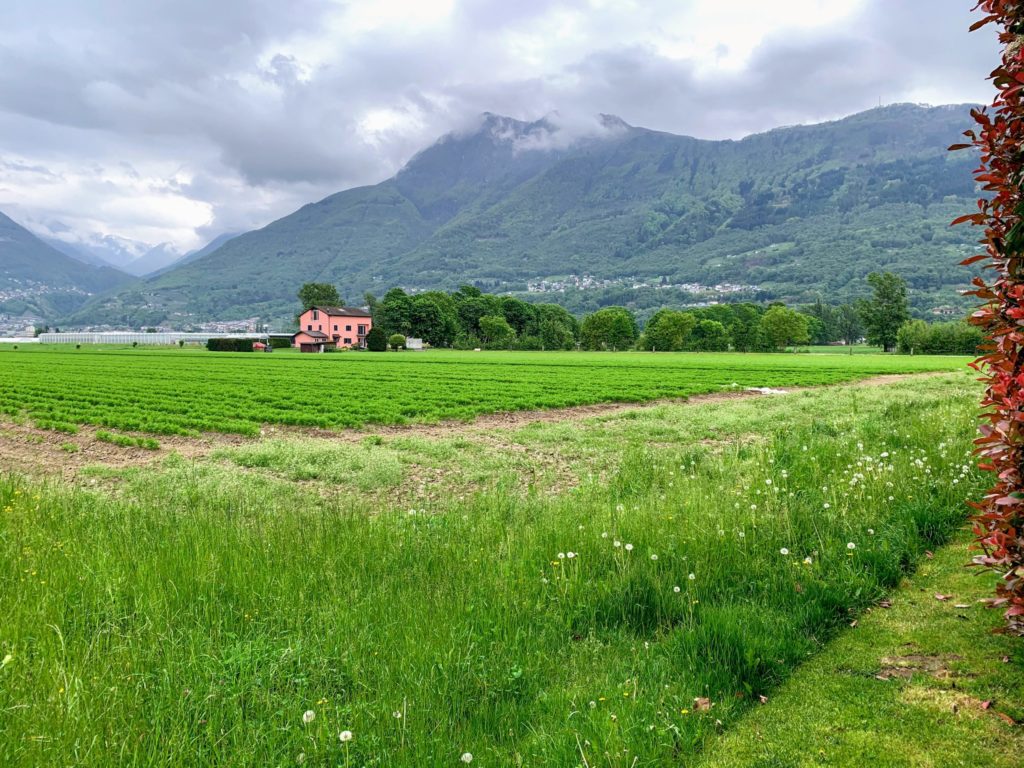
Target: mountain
{"points": [[75, 251], [156, 259], [198, 253], [130, 256], [797, 213], [37, 279]]}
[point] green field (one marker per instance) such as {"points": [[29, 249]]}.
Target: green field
{"points": [[626, 605], [188, 391]]}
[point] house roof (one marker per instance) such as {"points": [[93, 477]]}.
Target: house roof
{"points": [[311, 334], [343, 311]]}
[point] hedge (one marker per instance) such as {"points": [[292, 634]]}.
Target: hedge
{"points": [[230, 345]]}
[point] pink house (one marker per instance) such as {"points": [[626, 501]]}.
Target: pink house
{"points": [[325, 327]]}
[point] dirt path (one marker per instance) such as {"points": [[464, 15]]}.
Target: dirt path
{"points": [[514, 419], [42, 452]]}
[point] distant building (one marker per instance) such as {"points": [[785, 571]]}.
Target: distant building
{"points": [[323, 328], [946, 311], [411, 343]]}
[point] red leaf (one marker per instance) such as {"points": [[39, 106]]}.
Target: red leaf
{"points": [[982, 22]]}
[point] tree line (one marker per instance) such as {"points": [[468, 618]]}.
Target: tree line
{"points": [[469, 319]]}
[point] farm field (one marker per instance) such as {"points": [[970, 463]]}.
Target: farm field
{"points": [[188, 391], [248, 606]]}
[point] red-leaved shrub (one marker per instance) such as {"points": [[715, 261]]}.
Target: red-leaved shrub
{"points": [[999, 518]]}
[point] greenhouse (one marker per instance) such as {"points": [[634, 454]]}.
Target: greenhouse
{"points": [[166, 338]]}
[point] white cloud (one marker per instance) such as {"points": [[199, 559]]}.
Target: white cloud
{"points": [[177, 122]]}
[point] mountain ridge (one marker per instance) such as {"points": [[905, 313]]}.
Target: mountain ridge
{"points": [[36, 279], [795, 213]]}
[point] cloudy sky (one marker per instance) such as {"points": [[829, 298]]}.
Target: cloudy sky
{"points": [[176, 120]]}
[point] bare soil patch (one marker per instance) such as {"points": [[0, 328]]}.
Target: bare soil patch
{"points": [[43, 452], [904, 667]]}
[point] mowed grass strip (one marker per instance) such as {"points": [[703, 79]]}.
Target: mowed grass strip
{"points": [[193, 617], [187, 391], [927, 681]]}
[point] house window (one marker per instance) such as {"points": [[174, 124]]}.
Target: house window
{"points": [[348, 341], [316, 314], [362, 330], [335, 327], [319, 327], [348, 327], [309, 327]]}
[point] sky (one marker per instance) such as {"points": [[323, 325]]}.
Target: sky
{"points": [[173, 121]]}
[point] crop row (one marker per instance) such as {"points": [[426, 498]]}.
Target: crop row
{"points": [[167, 393]]}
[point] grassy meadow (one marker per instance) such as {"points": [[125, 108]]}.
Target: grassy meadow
{"points": [[627, 603]]}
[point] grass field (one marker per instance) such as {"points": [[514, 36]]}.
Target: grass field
{"points": [[191, 614], [187, 391], [925, 682]]}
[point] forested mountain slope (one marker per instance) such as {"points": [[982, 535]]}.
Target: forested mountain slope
{"points": [[37, 279], [797, 213]]}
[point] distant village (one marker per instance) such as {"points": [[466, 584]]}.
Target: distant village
{"points": [[589, 282]]}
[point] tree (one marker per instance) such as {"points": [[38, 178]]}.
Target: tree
{"points": [[849, 328], [520, 315], [432, 318], [823, 328], [886, 310], [709, 336], [668, 330], [746, 328], [396, 341], [470, 308], [371, 303], [318, 294], [912, 337], [394, 312], [556, 328], [496, 332], [785, 327], [610, 328], [377, 340]]}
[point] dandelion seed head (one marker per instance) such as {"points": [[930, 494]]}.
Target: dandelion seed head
{"points": [[629, 547], [467, 757], [308, 716], [345, 736], [784, 551], [851, 545]]}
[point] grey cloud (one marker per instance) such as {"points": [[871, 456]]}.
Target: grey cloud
{"points": [[217, 89]]}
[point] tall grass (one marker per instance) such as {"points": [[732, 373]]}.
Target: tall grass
{"points": [[194, 617]]}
